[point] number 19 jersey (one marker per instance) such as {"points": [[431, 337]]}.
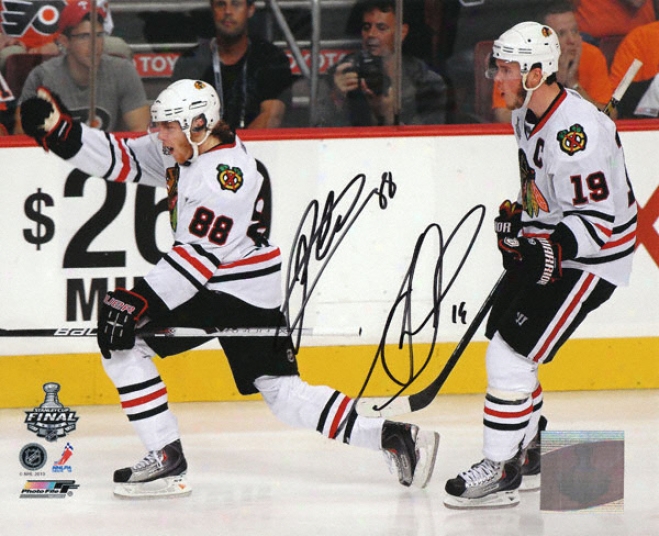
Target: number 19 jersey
{"points": [[572, 171]]}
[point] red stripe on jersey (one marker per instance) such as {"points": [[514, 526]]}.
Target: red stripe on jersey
{"points": [[205, 272], [252, 260], [561, 322], [144, 399], [338, 417], [605, 230], [125, 166], [508, 415], [562, 96], [623, 240]]}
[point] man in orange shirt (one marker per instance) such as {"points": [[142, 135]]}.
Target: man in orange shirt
{"points": [[581, 67], [599, 18], [642, 43]]}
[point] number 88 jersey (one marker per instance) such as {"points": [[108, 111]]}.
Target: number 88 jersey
{"points": [[215, 204]]}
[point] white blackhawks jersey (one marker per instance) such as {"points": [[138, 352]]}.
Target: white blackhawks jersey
{"points": [[214, 214], [572, 171]]}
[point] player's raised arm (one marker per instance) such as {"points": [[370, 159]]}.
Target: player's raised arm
{"points": [[46, 119]]}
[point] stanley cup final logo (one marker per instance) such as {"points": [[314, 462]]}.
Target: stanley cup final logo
{"points": [[51, 419]]}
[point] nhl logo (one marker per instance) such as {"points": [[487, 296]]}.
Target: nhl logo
{"points": [[33, 457], [51, 419]]}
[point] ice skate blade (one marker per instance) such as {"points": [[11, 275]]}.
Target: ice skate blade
{"points": [[173, 486], [502, 499], [427, 444], [530, 483]]}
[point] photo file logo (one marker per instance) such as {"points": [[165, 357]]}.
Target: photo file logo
{"points": [[50, 489]]}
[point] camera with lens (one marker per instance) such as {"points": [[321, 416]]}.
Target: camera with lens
{"points": [[371, 69]]}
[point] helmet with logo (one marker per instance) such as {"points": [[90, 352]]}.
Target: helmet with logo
{"points": [[185, 101], [529, 44]]}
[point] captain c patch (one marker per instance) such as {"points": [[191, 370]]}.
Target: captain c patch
{"points": [[573, 140], [230, 178]]}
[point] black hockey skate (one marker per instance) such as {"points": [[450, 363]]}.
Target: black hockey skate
{"points": [[411, 453], [487, 484], [531, 465], [160, 473]]}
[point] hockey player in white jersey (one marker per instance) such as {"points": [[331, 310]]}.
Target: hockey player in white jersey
{"points": [[221, 271], [567, 242]]}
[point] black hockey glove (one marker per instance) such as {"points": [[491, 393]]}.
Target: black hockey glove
{"points": [[118, 316], [538, 259], [48, 121], [508, 224]]}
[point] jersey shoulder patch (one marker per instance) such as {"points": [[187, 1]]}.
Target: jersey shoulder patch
{"points": [[572, 140], [230, 178]]}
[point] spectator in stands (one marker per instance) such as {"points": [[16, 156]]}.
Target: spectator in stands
{"points": [[120, 104], [11, 45], [44, 41], [581, 66], [641, 43], [251, 75], [359, 89], [601, 18]]}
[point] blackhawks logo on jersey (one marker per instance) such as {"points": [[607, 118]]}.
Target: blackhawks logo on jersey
{"points": [[230, 178], [532, 199], [573, 140]]}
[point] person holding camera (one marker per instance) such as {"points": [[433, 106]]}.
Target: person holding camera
{"points": [[360, 89]]}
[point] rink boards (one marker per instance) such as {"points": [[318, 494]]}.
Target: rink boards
{"points": [[349, 213]]}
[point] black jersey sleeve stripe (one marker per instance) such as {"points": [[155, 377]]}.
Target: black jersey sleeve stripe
{"points": [[608, 258], [113, 157], [138, 167], [245, 275], [622, 228], [202, 252], [591, 214], [592, 231], [183, 272], [539, 225]]}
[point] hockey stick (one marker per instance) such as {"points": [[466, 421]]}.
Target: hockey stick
{"points": [[182, 332], [386, 407], [625, 82]]}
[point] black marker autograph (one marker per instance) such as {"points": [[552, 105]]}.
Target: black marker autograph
{"points": [[318, 236], [405, 297]]}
